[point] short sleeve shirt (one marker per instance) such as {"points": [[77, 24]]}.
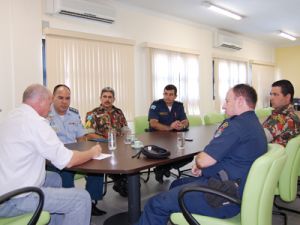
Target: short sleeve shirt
{"points": [[160, 111], [283, 125], [237, 143], [67, 127], [101, 120], [26, 141]]}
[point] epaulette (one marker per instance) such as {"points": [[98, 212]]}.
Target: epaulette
{"points": [[73, 110]]}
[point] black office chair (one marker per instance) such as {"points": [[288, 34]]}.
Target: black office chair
{"points": [[37, 217]]}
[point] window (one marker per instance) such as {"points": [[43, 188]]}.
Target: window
{"points": [[88, 63], [180, 69], [227, 73], [263, 75]]}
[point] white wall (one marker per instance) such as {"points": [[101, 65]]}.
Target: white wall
{"points": [[146, 26], [142, 26], [20, 55]]}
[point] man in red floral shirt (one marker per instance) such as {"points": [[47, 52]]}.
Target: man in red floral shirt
{"points": [[106, 116], [283, 124], [103, 118]]}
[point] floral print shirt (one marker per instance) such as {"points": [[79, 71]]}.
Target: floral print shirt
{"points": [[283, 125], [102, 120]]}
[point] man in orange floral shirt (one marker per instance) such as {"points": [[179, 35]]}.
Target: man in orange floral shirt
{"points": [[283, 124]]}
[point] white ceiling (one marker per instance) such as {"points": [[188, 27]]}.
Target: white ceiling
{"points": [[263, 18]]}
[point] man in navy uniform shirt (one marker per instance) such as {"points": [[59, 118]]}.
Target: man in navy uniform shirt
{"points": [[67, 124], [237, 143], [168, 115]]}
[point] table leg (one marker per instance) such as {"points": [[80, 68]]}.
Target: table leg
{"points": [[134, 197], [134, 204]]}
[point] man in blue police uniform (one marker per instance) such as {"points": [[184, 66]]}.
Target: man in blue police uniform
{"points": [[237, 143], [67, 124], [168, 115]]}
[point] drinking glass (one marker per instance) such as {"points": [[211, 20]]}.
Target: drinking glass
{"points": [[112, 139], [180, 140]]}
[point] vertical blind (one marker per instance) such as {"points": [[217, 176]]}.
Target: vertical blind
{"points": [[180, 69], [87, 65]]}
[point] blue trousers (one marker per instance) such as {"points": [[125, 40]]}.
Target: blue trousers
{"points": [[94, 183], [67, 206], [159, 208]]}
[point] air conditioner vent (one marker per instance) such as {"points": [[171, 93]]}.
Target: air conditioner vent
{"points": [[227, 40], [88, 16], [98, 11], [230, 46]]}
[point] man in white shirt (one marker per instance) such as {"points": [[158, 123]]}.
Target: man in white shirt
{"points": [[27, 141]]}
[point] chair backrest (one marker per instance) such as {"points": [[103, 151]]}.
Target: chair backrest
{"points": [[213, 118], [257, 201], [288, 181], [140, 124], [36, 218], [263, 112], [194, 120]]}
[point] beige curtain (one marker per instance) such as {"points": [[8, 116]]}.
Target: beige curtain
{"points": [[263, 75], [87, 63], [227, 73]]}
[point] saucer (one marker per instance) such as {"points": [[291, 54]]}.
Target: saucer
{"points": [[137, 146]]}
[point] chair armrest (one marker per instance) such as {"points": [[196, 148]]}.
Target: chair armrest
{"points": [[187, 215], [39, 208]]}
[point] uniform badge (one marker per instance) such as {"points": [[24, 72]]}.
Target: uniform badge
{"points": [[221, 129], [153, 107], [73, 110], [163, 113]]}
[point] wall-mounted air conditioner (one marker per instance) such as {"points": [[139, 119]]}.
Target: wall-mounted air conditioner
{"points": [[227, 40], [98, 11]]}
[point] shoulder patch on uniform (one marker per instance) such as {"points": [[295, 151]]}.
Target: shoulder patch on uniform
{"points": [[153, 107], [221, 129], [73, 110]]}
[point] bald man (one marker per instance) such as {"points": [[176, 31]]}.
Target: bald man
{"points": [[27, 141]]}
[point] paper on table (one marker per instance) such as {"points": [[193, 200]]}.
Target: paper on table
{"points": [[102, 156]]}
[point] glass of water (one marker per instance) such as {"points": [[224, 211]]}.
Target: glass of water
{"points": [[180, 140], [112, 139]]}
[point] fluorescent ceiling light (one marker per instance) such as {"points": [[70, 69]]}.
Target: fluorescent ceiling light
{"points": [[223, 11], [287, 36]]}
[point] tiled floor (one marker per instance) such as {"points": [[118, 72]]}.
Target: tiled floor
{"points": [[113, 203]]}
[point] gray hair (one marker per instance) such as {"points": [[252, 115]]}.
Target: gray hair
{"points": [[35, 92], [108, 89]]}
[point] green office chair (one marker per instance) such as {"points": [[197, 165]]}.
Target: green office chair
{"points": [[38, 217], [288, 181], [263, 112], [141, 124], [194, 120], [213, 118], [257, 200]]}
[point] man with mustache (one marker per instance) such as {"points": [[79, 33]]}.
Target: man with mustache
{"points": [[102, 119]]}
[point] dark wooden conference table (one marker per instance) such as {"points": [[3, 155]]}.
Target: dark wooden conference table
{"points": [[121, 162]]}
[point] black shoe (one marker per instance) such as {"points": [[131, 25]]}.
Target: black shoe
{"points": [[96, 211], [159, 175], [121, 188], [167, 173]]}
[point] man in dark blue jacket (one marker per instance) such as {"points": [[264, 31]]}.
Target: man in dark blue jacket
{"points": [[168, 115], [237, 143]]}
